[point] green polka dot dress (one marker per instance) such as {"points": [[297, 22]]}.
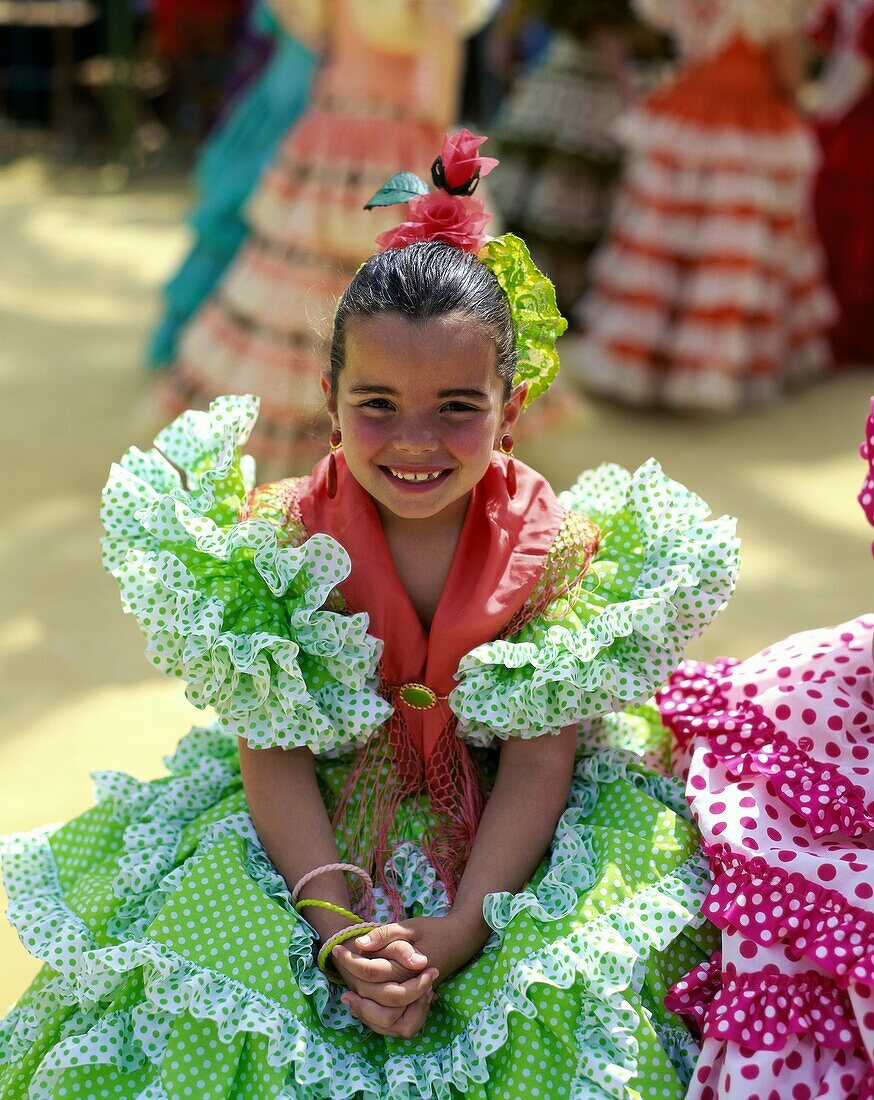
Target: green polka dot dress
{"points": [[175, 965]]}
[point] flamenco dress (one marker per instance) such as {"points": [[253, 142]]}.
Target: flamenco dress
{"points": [[176, 964], [382, 101], [844, 192], [227, 170], [708, 292], [561, 157], [779, 751]]}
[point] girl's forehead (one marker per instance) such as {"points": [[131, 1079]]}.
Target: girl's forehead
{"points": [[450, 352]]}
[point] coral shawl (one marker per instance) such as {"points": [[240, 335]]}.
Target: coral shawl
{"points": [[501, 551], [500, 555]]}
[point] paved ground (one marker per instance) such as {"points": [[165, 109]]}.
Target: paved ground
{"points": [[83, 261]]}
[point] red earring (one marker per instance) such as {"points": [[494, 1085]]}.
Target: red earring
{"points": [[336, 442], [505, 446]]}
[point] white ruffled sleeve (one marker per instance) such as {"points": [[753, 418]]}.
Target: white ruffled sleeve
{"points": [[660, 574], [229, 606]]}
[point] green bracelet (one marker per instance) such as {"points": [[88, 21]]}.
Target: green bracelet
{"points": [[350, 933], [317, 903]]}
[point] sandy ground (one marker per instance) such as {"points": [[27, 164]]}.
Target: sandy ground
{"points": [[83, 262]]}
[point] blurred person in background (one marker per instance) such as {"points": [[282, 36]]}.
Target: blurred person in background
{"points": [[387, 91], [709, 291], [196, 37], [844, 194], [226, 173], [560, 152]]}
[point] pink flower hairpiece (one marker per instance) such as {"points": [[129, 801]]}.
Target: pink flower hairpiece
{"points": [[451, 214], [448, 214]]}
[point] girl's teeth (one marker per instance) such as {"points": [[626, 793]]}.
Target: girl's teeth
{"points": [[414, 477]]}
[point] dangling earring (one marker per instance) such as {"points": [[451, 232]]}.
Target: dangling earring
{"points": [[505, 446], [336, 441]]}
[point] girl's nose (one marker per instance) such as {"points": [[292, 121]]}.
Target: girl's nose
{"points": [[416, 437]]}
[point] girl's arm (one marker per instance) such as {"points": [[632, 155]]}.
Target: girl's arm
{"points": [[518, 823], [293, 825], [517, 826]]}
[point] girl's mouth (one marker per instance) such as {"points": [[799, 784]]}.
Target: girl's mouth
{"points": [[415, 480]]}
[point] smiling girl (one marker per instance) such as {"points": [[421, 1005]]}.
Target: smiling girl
{"points": [[417, 854]]}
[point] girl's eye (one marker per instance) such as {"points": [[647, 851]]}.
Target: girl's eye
{"points": [[377, 403], [459, 406]]}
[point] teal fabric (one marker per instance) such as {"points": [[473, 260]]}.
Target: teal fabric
{"points": [[226, 174]]}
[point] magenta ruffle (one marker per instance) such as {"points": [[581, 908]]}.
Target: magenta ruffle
{"points": [[746, 741], [760, 1010], [810, 920], [866, 495]]}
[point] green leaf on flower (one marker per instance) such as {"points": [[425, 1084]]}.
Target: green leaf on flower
{"points": [[402, 187], [536, 316]]}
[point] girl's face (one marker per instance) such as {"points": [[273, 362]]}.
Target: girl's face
{"points": [[420, 406]]}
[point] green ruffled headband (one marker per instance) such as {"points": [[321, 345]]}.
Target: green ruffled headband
{"points": [[451, 214]]}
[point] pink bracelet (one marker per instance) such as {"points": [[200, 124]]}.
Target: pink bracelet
{"points": [[350, 867]]}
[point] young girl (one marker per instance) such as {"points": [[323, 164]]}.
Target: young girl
{"points": [[414, 655], [708, 292]]}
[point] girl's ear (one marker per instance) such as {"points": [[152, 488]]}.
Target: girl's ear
{"points": [[513, 407], [330, 400]]}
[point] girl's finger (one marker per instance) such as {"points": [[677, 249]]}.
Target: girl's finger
{"points": [[403, 953], [386, 1022], [367, 968], [401, 994], [383, 935], [375, 1015]]}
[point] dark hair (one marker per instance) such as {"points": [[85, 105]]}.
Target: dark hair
{"points": [[423, 281]]}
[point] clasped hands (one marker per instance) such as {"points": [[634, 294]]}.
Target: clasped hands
{"points": [[391, 972]]}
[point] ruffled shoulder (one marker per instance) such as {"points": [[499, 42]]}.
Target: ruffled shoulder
{"points": [[617, 627], [234, 607]]}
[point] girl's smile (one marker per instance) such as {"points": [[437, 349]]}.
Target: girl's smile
{"points": [[420, 406]]}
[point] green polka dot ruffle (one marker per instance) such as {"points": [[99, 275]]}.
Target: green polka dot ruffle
{"points": [[661, 573], [224, 605]]}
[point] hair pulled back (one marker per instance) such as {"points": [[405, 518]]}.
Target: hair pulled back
{"points": [[424, 281]]}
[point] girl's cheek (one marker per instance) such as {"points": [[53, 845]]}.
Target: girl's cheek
{"points": [[472, 436], [368, 430]]}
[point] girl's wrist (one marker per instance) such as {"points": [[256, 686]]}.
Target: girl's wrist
{"points": [[470, 925], [325, 922]]}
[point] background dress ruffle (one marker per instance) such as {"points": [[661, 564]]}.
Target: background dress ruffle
{"points": [[138, 906], [708, 292], [556, 134], [844, 191]]}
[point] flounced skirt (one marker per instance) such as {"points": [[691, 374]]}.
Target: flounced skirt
{"points": [[709, 291], [780, 756], [176, 965], [227, 172]]}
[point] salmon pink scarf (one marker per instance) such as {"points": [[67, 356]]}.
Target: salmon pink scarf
{"points": [[501, 552]]}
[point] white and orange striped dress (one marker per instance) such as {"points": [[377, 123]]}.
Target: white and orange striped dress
{"points": [[386, 94], [708, 292]]}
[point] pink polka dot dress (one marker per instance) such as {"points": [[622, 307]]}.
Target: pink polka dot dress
{"points": [[779, 755]]}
